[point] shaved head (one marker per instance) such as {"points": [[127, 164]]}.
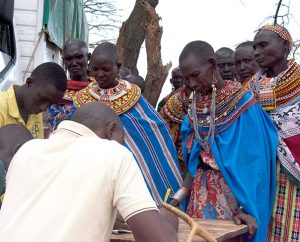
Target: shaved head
{"points": [[245, 44], [101, 119], [123, 72], [137, 80], [75, 42], [199, 49], [108, 50], [12, 137], [95, 114], [175, 69], [224, 52], [225, 63]]}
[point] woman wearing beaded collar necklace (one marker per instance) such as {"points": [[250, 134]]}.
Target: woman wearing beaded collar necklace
{"points": [[147, 135], [278, 91], [229, 146]]}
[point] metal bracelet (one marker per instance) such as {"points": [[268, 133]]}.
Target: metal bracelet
{"points": [[180, 195]]}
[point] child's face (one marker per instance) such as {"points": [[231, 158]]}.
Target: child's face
{"points": [[197, 74], [104, 70]]}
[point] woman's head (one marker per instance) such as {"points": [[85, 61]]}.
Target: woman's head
{"points": [[272, 44], [105, 65], [197, 64]]}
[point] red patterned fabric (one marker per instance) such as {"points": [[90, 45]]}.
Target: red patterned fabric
{"points": [[293, 143], [211, 198], [72, 88]]}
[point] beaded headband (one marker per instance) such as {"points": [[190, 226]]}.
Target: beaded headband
{"points": [[281, 31]]}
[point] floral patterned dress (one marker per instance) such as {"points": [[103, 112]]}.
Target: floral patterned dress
{"points": [[211, 198]]}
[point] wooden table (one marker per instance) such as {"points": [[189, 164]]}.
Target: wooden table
{"points": [[221, 230]]}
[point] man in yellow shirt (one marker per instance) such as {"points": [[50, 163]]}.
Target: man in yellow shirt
{"points": [[24, 104]]}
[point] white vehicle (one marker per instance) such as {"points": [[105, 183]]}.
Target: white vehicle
{"points": [[9, 68], [33, 32]]}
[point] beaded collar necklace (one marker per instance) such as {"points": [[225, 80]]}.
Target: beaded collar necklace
{"points": [[120, 98], [214, 113], [280, 90], [226, 100], [227, 108], [174, 106], [110, 94]]}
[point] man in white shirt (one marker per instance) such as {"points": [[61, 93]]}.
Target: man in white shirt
{"points": [[69, 187]]}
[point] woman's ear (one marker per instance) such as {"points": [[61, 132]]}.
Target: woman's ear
{"points": [[286, 50], [118, 66]]}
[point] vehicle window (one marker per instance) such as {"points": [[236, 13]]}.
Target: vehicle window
{"points": [[5, 46]]}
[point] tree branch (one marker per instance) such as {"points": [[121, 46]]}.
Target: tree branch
{"points": [[277, 11], [102, 18]]}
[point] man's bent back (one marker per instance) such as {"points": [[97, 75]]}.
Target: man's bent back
{"points": [[67, 188]]}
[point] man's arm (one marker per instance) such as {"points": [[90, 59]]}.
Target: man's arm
{"points": [[187, 185], [135, 204], [149, 226]]}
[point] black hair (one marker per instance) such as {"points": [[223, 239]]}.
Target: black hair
{"points": [[50, 73], [197, 48]]}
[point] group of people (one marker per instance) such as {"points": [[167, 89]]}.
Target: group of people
{"points": [[225, 142], [240, 135]]}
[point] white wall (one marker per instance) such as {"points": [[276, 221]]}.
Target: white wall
{"points": [[33, 48]]}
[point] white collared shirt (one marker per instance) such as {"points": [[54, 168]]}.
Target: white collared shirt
{"points": [[68, 188]]}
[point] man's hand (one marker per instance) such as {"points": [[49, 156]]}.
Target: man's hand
{"points": [[250, 221], [170, 217], [174, 202]]}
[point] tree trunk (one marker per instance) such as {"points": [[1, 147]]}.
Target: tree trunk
{"points": [[157, 72], [132, 35]]}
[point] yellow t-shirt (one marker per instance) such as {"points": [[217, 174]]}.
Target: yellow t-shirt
{"points": [[9, 114]]}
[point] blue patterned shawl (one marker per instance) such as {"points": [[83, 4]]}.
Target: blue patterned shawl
{"points": [[150, 141], [246, 156]]}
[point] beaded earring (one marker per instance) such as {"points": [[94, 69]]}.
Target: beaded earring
{"points": [[213, 95], [213, 82]]}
